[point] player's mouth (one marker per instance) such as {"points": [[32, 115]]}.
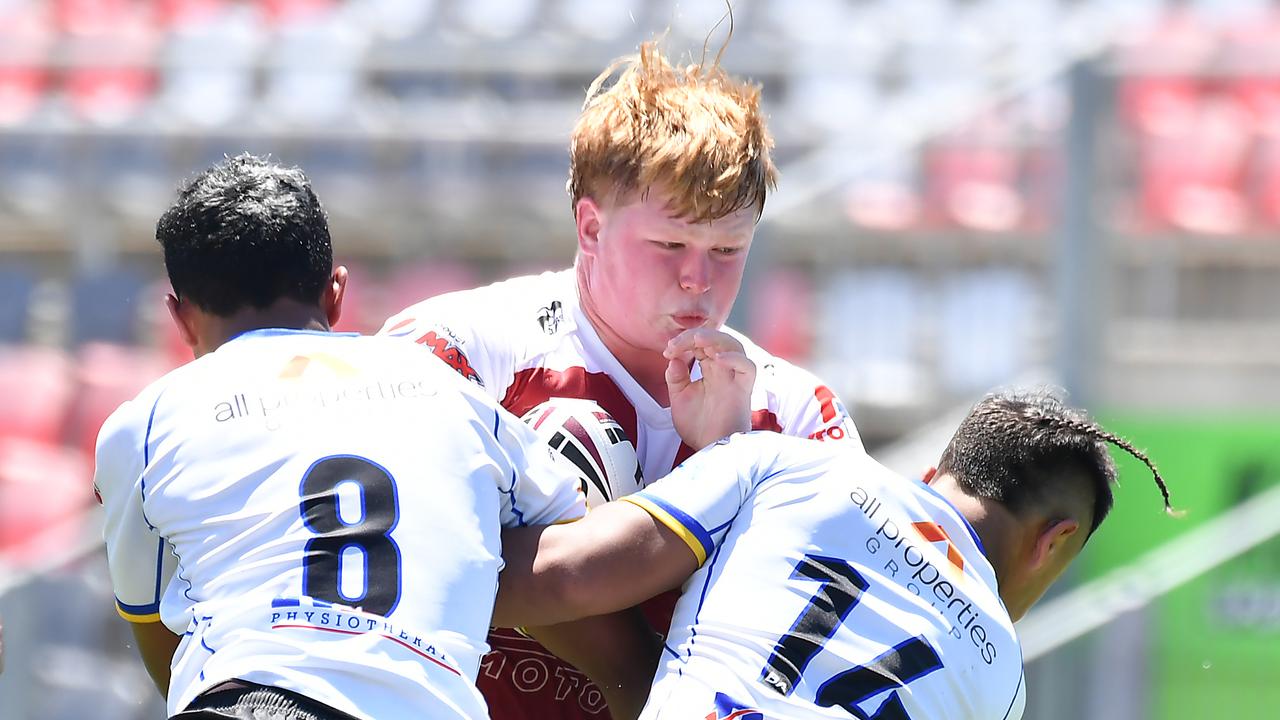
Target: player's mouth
{"points": [[690, 321]]}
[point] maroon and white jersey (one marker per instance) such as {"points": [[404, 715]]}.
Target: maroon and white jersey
{"points": [[526, 340]]}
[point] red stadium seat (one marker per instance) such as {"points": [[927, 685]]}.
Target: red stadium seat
{"points": [[107, 375], [111, 46], [36, 384], [782, 313], [26, 38], [423, 279], [1192, 177], [43, 490]]}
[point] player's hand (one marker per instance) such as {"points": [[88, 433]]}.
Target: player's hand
{"points": [[719, 403]]}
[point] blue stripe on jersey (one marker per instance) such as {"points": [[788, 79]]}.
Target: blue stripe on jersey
{"points": [[706, 585], [693, 526], [159, 568], [497, 419], [146, 458], [1021, 676], [148, 609]]}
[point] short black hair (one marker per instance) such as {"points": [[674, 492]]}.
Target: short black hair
{"points": [[246, 232], [1017, 447]]}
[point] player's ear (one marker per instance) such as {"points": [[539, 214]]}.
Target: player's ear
{"points": [[334, 293], [178, 312], [588, 215], [1052, 541]]}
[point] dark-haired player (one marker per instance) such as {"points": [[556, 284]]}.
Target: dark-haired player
{"points": [[817, 583], [303, 524]]}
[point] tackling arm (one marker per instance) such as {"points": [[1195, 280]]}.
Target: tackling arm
{"points": [[156, 645], [616, 557], [619, 652]]}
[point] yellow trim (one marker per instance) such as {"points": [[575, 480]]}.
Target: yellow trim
{"points": [[675, 525], [148, 618]]}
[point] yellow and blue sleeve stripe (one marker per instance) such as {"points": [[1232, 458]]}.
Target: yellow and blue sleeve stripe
{"points": [[689, 530], [139, 613]]}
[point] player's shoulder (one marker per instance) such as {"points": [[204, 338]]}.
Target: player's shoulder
{"points": [[536, 302], [770, 451], [777, 375], [123, 428]]}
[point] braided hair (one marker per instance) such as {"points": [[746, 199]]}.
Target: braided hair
{"points": [[1017, 447]]}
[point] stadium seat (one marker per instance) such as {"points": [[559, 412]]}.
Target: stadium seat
{"points": [[986, 319], [43, 489], [867, 342], [36, 383], [781, 303], [973, 180], [208, 63], [106, 306], [107, 375], [17, 283], [110, 46], [421, 279], [313, 62], [26, 40]]}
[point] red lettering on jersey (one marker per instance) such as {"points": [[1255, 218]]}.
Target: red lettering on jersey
{"points": [[826, 402], [835, 432], [449, 353]]}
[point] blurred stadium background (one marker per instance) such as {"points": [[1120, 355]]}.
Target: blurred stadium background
{"points": [[1084, 192]]}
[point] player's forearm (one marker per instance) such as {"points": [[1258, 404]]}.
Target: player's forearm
{"points": [[615, 558], [156, 645], [619, 652]]}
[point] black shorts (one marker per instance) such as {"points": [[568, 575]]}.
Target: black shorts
{"points": [[239, 700]]}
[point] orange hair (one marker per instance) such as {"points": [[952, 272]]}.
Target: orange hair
{"points": [[696, 133]]}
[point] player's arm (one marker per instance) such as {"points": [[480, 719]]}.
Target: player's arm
{"points": [[156, 644], [618, 651], [616, 557], [140, 562]]}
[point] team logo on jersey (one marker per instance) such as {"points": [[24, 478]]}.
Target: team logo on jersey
{"points": [[550, 316], [933, 532], [728, 709], [299, 365], [449, 352]]}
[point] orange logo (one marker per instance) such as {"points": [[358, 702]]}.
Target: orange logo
{"points": [[933, 532], [298, 366]]}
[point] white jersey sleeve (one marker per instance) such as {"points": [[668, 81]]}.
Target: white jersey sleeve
{"points": [[460, 328], [700, 498], [140, 561], [537, 493]]}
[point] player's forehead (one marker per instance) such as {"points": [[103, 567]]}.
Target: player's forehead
{"points": [[652, 212]]}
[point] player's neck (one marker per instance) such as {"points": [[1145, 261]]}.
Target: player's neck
{"points": [[283, 314]]}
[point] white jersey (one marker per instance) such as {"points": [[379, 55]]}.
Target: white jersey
{"points": [[828, 587], [320, 512], [526, 340]]}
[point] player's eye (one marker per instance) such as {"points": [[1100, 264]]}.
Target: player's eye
{"points": [[668, 245], [728, 250]]}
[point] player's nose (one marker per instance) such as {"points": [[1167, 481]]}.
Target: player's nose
{"points": [[695, 272]]}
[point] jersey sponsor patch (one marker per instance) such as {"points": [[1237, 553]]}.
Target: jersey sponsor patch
{"points": [[448, 351]]}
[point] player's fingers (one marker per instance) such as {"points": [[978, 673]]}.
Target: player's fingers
{"points": [[737, 363], [706, 339], [677, 374]]}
